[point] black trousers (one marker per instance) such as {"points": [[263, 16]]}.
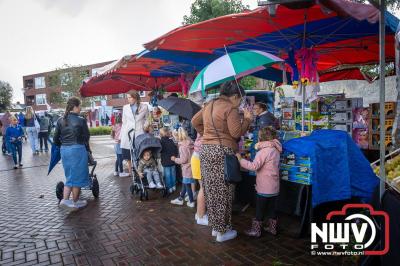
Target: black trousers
{"points": [[266, 207], [43, 137]]}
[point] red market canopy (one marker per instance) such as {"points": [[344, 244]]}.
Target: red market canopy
{"points": [[134, 73], [347, 36], [112, 83]]}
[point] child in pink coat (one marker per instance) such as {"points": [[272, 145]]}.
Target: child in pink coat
{"points": [[266, 165], [185, 154]]}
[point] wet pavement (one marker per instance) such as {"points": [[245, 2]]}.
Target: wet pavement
{"points": [[118, 229]]}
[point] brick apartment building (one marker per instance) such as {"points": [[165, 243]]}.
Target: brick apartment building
{"points": [[37, 90]]}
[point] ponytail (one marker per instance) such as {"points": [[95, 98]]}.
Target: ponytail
{"points": [[71, 103]]}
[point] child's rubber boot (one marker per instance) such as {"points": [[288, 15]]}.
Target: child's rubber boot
{"points": [[272, 226], [255, 230]]}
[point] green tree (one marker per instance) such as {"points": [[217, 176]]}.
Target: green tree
{"points": [[372, 71], [206, 9], [248, 82], [69, 79], [390, 4], [6, 93]]}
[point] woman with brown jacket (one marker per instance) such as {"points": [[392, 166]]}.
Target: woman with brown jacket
{"points": [[221, 126]]}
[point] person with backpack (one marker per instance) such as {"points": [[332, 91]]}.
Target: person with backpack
{"points": [[44, 123]]}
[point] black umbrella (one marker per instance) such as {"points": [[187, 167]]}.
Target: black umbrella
{"points": [[180, 106]]}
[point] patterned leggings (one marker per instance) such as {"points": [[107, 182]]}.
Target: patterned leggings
{"points": [[218, 193]]}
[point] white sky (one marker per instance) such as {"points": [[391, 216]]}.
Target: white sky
{"points": [[41, 35]]}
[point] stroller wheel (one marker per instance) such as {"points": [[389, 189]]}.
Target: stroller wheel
{"points": [[132, 189], [95, 188], [60, 190]]}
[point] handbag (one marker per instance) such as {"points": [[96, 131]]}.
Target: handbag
{"points": [[231, 164], [37, 125]]}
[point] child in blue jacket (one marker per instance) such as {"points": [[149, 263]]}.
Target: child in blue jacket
{"points": [[14, 134]]}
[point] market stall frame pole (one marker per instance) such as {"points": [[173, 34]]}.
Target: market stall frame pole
{"points": [[382, 67], [303, 99]]}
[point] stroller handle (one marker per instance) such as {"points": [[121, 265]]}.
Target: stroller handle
{"points": [[129, 134]]}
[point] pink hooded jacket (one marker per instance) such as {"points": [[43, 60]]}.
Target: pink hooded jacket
{"points": [[266, 165], [185, 155]]}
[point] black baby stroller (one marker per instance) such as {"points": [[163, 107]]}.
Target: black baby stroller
{"points": [[93, 182], [141, 143]]}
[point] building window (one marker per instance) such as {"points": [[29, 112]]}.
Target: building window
{"points": [[118, 96], [28, 83], [142, 94], [40, 83], [40, 99]]}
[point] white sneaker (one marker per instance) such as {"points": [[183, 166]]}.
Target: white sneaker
{"points": [[67, 204], [187, 198], [190, 204], [196, 216], [231, 234], [177, 201], [159, 185], [124, 174], [214, 233], [152, 185], [80, 203], [116, 174], [203, 220]]}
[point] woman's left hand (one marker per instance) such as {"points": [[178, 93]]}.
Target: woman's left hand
{"points": [[238, 156], [173, 158]]}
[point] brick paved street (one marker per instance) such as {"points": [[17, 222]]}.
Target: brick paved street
{"points": [[117, 229]]}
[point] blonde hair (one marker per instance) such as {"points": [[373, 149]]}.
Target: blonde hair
{"points": [[181, 134], [29, 112], [13, 118]]}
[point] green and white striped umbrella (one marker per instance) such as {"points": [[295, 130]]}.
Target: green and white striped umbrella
{"points": [[232, 66]]}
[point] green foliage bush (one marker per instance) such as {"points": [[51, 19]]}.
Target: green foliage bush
{"points": [[98, 131]]}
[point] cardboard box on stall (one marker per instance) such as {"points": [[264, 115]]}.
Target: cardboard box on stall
{"points": [[348, 104], [348, 127], [361, 137], [375, 125], [374, 141], [361, 117], [344, 116], [390, 110]]}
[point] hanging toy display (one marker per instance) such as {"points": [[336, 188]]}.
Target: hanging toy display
{"points": [[155, 95], [291, 61], [308, 72]]}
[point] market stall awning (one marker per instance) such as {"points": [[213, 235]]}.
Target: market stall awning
{"points": [[337, 40], [113, 83]]}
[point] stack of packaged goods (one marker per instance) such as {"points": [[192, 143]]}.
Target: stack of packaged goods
{"points": [[287, 109], [295, 168], [374, 125]]}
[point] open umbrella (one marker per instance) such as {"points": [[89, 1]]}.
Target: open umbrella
{"points": [[55, 157], [232, 66], [180, 106]]}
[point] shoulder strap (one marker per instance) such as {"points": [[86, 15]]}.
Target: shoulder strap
{"points": [[212, 120]]}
